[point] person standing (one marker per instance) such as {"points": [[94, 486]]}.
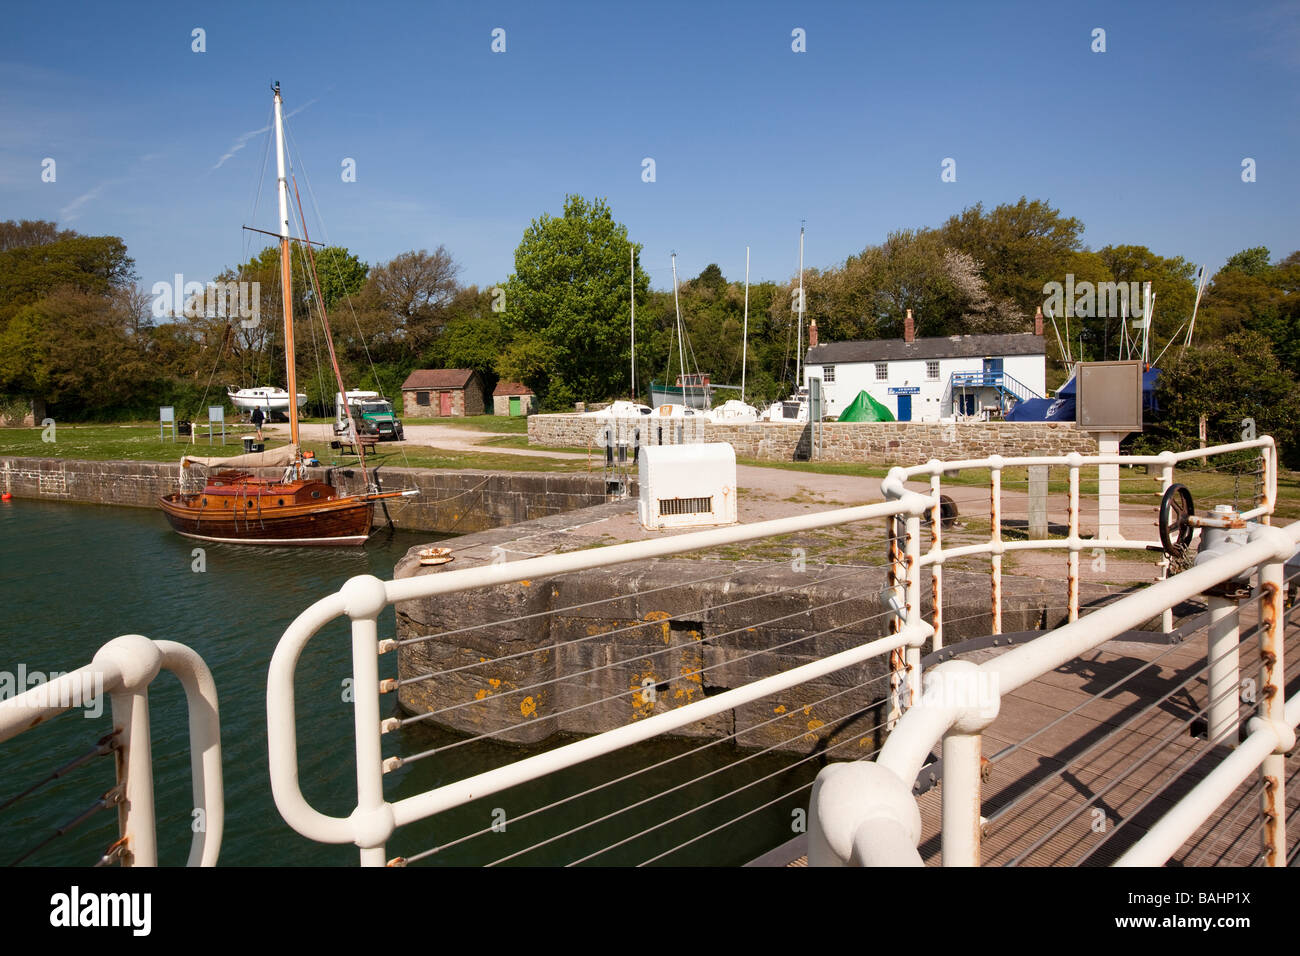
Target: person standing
{"points": [[257, 419]]}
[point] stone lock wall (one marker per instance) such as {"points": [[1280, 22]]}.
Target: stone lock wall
{"points": [[450, 502], [883, 443]]}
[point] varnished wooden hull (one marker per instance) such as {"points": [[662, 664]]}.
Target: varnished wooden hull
{"points": [[332, 523]]}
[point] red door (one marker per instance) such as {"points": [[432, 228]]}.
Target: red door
{"points": [[444, 403]]}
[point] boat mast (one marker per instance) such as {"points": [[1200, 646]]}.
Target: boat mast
{"points": [[632, 300], [681, 354], [798, 347], [744, 337], [285, 278]]}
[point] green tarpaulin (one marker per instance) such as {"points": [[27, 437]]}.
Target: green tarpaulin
{"points": [[866, 409]]}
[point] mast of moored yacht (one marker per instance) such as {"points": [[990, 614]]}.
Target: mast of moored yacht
{"points": [[681, 352], [744, 336], [285, 278], [798, 347]]}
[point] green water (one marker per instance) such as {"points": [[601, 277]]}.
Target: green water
{"points": [[73, 577]]}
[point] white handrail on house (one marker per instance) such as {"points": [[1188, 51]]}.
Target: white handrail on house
{"points": [[124, 668]]}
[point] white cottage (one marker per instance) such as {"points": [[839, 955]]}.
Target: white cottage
{"points": [[958, 377]]}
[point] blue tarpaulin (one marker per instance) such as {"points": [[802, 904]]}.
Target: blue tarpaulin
{"points": [[1062, 408]]}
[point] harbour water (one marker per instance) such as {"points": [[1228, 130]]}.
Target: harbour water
{"points": [[73, 577]]}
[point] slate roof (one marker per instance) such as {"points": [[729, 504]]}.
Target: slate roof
{"points": [[511, 388], [438, 378], [954, 346]]}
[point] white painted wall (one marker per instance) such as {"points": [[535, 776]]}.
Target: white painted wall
{"points": [[853, 377]]}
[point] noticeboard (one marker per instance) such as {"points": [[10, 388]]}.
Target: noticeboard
{"points": [[1109, 396]]}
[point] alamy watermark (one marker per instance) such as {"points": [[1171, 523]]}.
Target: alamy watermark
{"points": [[214, 299], [50, 690], [1109, 300]]}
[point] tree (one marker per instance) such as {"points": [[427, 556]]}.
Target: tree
{"points": [[1231, 382], [1252, 262], [1019, 247], [406, 299], [31, 232], [570, 295]]}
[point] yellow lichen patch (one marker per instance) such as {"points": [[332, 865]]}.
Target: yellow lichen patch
{"points": [[528, 706], [495, 682], [807, 710], [779, 709], [480, 693], [525, 583], [812, 726], [662, 616], [641, 684]]}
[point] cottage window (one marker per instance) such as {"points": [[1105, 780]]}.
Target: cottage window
{"points": [[828, 373], [882, 371], [422, 398], [932, 370]]}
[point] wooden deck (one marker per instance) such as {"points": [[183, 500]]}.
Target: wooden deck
{"points": [[1079, 768]]}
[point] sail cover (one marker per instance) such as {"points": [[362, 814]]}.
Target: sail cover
{"points": [[864, 408], [275, 458]]}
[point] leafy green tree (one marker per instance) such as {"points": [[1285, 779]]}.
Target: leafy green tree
{"points": [[570, 294], [1229, 381], [1019, 247], [1252, 262]]}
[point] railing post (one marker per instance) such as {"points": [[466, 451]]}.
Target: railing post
{"points": [[912, 563], [995, 540], [365, 597], [936, 566], [962, 685], [135, 811], [1072, 561], [1272, 706], [961, 799], [1224, 677]]}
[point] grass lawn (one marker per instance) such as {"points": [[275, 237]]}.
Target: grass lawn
{"points": [[119, 443], [140, 443]]}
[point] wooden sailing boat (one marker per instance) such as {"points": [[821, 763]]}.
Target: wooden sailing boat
{"points": [[237, 507]]}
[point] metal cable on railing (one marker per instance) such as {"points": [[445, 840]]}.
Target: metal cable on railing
{"points": [[695, 751], [851, 571], [731, 766], [104, 746], [110, 799], [1141, 761], [1096, 745], [629, 693], [680, 816]]}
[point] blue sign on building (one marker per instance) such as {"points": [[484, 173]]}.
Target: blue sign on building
{"points": [[905, 390]]}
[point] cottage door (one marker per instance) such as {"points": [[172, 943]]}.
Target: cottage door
{"points": [[444, 403], [514, 405], [904, 408]]}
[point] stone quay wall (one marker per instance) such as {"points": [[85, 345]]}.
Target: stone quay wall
{"points": [[450, 502], [881, 443], [578, 653]]}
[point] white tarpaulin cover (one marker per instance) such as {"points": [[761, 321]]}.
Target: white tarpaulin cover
{"points": [[275, 458]]}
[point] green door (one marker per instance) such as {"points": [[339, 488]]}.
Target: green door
{"points": [[514, 405]]}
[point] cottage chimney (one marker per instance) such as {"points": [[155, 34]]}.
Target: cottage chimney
{"points": [[909, 328], [1038, 322], [812, 335]]}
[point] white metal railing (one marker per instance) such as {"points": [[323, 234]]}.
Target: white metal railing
{"points": [[124, 668], [865, 814], [361, 599]]}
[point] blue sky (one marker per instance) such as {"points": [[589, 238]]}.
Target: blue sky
{"points": [[459, 146]]}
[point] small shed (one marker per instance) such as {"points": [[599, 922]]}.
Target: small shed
{"points": [[513, 398], [443, 393]]}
